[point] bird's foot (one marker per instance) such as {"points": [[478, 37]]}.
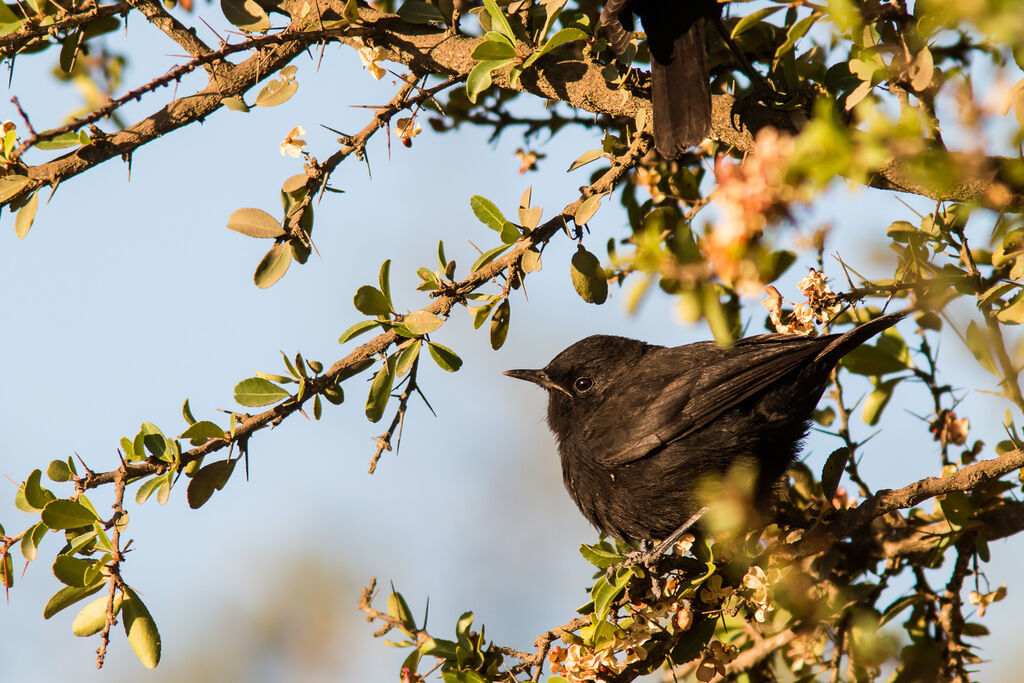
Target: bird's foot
{"points": [[648, 555]]}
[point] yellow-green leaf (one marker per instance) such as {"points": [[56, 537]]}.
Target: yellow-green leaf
{"points": [[141, 630]]}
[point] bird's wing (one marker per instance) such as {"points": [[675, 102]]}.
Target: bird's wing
{"points": [[699, 382]]}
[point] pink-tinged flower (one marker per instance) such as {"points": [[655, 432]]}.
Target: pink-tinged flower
{"points": [[751, 195]]}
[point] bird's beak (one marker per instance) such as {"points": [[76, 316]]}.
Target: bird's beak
{"points": [[538, 377]]}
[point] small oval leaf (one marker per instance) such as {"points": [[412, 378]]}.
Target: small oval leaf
{"points": [[141, 630], [254, 223], [255, 391]]}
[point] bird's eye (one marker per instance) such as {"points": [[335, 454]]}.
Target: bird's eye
{"points": [[582, 385]]}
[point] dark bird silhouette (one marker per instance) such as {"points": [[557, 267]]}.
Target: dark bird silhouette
{"points": [[640, 426], [680, 84]]}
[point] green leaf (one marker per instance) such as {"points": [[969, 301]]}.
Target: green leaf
{"points": [[795, 33], [357, 329], [752, 19], [384, 280], [35, 495], [530, 261], [406, 358], [93, 617], [186, 413], [872, 360], [69, 50], [26, 215], [600, 557], [276, 92], [7, 571], [499, 22], [201, 432], [11, 186], [68, 596], [256, 391], [1013, 312], [67, 514], [398, 608], [832, 472], [695, 640], [479, 78], [140, 629], [588, 277], [488, 256], [487, 213], [445, 358], [877, 400], [495, 47], [499, 325], [255, 223], [422, 322], [371, 301], [150, 485], [273, 266], [71, 570], [235, 104], [509, 233], [419, 12], [246, 15], [566, 35], [587, 209], [210, 478], [30, 541], [977, 342], [897, 606], [603, 594], [586, 158], [62, 141], [380, 392]]}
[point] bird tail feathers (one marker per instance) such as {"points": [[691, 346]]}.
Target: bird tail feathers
{"points": [[845, 343], [680, 95]]}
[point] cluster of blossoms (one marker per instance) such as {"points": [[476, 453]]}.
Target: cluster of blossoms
{"points": [[948, 429], [760, 591], [577, 663], [751, 195], [821, 304]]}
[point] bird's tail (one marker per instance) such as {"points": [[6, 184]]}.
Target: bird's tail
{"points": [[681, 96], [844, 343]]}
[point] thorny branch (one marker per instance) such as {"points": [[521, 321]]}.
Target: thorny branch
{"points": [[432, 50], [394, 431], [442, 306]]}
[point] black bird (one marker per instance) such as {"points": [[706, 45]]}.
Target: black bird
{"points": [[680, 84], [639, 426]]}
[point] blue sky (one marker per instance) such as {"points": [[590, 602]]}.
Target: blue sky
{"points": [[130, 295]]}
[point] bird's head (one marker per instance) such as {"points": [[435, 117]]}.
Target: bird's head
{"points": [[583, 376]]}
